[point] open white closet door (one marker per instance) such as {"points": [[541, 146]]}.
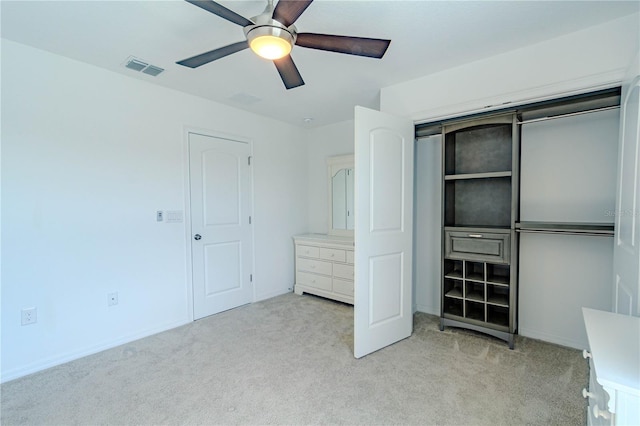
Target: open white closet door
{"points": [[626, 251], [384, 148]]}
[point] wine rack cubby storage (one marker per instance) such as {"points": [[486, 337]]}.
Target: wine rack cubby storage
{"points": [[480, 194], [473, 291]]}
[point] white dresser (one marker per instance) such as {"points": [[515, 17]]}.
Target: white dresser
{"points": [[614, 361], [324, 266]]}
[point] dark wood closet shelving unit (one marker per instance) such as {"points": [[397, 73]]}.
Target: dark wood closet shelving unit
{"points": [[479, 271]]}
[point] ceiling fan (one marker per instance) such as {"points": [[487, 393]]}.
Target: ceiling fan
{"points": [[272, 36]]}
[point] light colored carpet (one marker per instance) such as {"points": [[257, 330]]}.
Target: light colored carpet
{"points": [[289, 360]]}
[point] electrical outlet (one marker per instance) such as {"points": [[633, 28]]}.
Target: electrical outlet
{"points": [[29, 316], [159, 216], [112, 299]]}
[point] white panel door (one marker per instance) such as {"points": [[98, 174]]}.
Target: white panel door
{"points": [[626, 254], [221, 243], [383, 230]]}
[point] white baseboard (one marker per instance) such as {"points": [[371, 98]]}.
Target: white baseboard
{"points": [[266, 296], [433, 310], [552, 338], [71, 356]]}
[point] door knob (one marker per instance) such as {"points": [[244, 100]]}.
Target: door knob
{"points": [[197, 237]]}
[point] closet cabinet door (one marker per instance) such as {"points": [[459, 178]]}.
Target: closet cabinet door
{"points": [[474, 245], [384, 148], [626, 292]]}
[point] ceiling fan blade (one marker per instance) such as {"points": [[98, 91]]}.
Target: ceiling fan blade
{"points": [[288, 11], [370, 47], [221, 11], [205, 58], [288, 72]]}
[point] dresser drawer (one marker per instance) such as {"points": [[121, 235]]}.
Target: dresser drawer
{"points": [[343, 287], [324, 266], [489, 247], [333, 254], [343, 271], [313, 280], [315, 266], [307, 251], [350, 257]]}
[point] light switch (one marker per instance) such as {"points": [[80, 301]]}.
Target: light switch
{"points": [[175, 216]]}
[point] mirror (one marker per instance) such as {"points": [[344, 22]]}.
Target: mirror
{"points": [[340, 188]]}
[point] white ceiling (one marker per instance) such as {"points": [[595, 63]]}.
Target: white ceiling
{"points": [[427, 36]]}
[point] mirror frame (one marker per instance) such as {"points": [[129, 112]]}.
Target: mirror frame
{"points": [[335, 164]]}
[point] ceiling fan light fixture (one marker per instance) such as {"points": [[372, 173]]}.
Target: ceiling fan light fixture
{"points": [[272, 34], [270, 42], [270, 47]]}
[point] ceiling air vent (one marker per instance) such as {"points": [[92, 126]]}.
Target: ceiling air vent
{"points": [[152, 70], [137, 65]]}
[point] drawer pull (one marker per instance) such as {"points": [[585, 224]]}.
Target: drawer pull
{"points": [[586, 394], [597, 412], [474, 235], [586, 354]]}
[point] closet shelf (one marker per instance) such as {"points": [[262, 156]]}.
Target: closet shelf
{"points": [[500, 300], [568, 228], [484, 175], [499, 281], [475, 295], [475, 277], [454, 292]]}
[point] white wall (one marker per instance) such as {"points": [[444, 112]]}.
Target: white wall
{"points": [[323, 142], [560, 274], [427, 226], [88, 156], [568, 174], [568, 168], [596, 56]]}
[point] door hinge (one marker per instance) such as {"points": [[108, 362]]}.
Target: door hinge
{"points": [[249, 160], [249, 220]]}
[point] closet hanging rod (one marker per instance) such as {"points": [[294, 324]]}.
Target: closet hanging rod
{"points": [[549, 231], [591, 229], [569, 114]]}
